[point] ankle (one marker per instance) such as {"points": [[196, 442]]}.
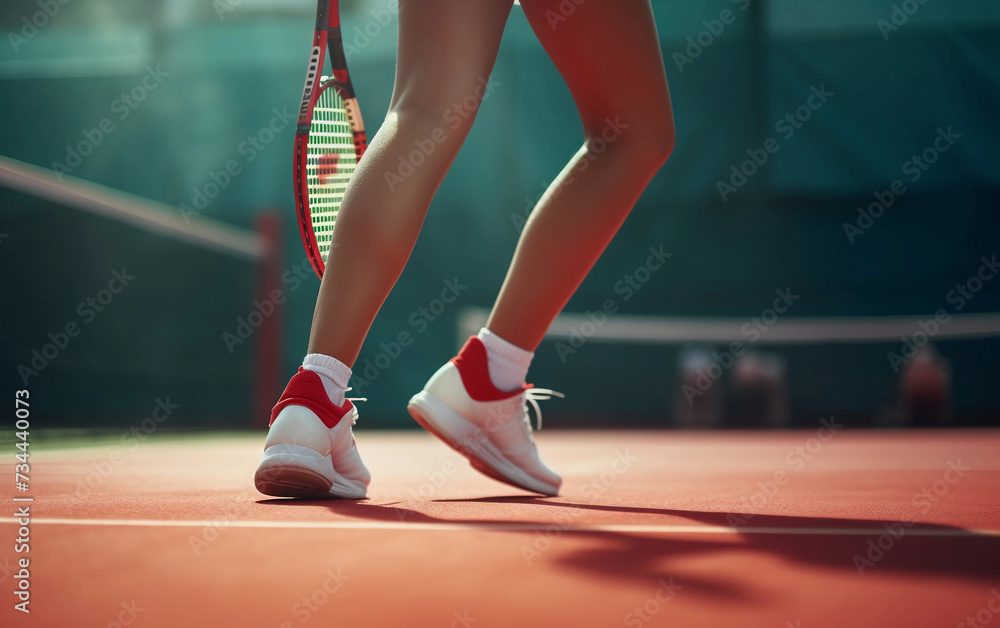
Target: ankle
{"points": [[334, 374], [508, 364]]}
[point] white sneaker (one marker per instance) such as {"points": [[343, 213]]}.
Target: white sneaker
{"points": [[310, 449], [461, 406]]}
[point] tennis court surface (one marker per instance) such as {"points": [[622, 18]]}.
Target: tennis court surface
{"points": [[801, 528]]}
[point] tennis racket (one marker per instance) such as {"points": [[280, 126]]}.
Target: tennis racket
{"points": [[329, 138]]}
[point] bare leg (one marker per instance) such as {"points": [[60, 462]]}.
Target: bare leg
{"points": [[439, 66], [609, 55]]}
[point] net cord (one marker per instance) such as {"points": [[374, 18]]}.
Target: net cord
{"points": [[140, 212]]}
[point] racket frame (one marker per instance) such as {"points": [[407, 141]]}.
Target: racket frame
{"points": [[326, 39]]}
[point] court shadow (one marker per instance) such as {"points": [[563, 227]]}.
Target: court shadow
{"points": [[849, 547]]}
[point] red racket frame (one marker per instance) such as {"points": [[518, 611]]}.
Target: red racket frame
{"points": [[326, 37]]}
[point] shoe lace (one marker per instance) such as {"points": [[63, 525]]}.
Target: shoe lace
{"points": [[533, 396], [354, 414]]}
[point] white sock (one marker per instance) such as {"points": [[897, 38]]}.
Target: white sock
{"points": [[334, 373], [508, 363]]}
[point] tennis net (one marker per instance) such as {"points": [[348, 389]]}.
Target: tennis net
{"points": [[117, 307]]}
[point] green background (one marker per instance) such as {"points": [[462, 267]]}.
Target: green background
{"points": [[163, 336]]}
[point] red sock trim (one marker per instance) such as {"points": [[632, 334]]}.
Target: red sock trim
{"points": [[306, 389], [473, 365]]}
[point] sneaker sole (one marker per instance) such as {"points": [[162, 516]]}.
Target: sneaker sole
{"points": [[295, 471], [469, 440]]}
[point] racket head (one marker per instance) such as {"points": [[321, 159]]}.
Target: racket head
{"points": [[329, 142]]}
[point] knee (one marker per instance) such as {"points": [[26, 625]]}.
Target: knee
{"points": [[658, 141], [647, 140], [651, 142], [411, 120], [447, 123], [418, 136]]}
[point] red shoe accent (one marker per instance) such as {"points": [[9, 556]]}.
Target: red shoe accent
{"points": [[474, 368], [306, 389]]}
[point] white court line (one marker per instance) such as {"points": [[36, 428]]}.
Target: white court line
{"points": [[496, 527]]}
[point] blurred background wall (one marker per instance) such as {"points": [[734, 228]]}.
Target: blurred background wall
{"points": [[170, 92]]}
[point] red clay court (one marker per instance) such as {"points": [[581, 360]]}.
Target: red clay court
{"points": [[651, 529]]}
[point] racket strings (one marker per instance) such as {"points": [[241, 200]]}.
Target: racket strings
{"points": [[330, 162]]}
